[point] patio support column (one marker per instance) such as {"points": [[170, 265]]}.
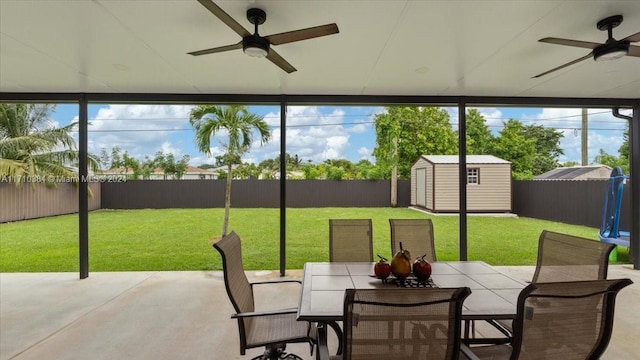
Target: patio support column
{"points": [[83, 188], [283, 186], [462, 176], [634, 142]]}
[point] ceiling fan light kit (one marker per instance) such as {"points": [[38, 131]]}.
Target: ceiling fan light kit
{"points": [[611, 51], [255, 46]]}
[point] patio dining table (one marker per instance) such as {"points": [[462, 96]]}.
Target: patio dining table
{"points": [[493, 296]]}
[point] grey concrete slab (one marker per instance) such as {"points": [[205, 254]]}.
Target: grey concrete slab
{"points": [[176, 315]]}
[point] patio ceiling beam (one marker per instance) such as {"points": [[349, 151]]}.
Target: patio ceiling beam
{"points": [[83, 188], [634, 137], [283, 187], [462, 178], [379, 100]]}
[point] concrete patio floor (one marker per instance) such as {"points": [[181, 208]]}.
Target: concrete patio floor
{"points": [[178, 315]]}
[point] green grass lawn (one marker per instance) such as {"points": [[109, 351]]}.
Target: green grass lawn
{"points": [[180, 239]]}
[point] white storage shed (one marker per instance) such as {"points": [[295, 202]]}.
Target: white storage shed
{"points": [[434, 183]]}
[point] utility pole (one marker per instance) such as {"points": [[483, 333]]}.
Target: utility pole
{"points": [[394, 173]]}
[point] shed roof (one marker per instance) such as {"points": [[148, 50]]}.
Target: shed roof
{"points": [[471, 159]]}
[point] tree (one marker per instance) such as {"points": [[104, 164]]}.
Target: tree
{"points": [[570, 163], [247, 171], [32, 147], [239, 124], [169, 165], [418, 130], [312, 172], [624, 150], [532, 149], [547, 147], [338, 169], [512, 145], [125, 162], [479, 137], [405, 133], [612, 161]]}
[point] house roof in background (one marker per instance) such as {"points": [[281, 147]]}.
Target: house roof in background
{"points": [[576, 173]]}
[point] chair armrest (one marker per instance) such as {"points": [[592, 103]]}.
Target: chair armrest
{"points": [[275, 282], [467, 353], [323, 349], [264, 313]]}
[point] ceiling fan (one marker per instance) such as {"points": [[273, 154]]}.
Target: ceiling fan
{"points": [[611, 49], [261, 46]]}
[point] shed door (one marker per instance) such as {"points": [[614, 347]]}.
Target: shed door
{"points": [[420, 187]]}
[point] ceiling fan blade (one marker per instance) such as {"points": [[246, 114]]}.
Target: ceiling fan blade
{"points": [[633, 38], [222, 15], [217, 49], [564, 66], [302, 34], [275, 58], [634, 51], [569, 42]]}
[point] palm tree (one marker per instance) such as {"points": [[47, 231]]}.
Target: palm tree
{"points": [[239, 123], [31, 147]]}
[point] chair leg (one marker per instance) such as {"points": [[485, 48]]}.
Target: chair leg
{"points": [[276, 352]]}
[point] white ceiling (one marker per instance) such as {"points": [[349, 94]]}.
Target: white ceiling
{"points": [[432, 48]]}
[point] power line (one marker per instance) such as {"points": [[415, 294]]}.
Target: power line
{"points": [[328, 116]]}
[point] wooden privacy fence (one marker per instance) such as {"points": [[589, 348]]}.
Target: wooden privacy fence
{"points": [[29, 202]]}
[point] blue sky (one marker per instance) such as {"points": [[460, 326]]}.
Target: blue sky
{"points": [[315, 133]]}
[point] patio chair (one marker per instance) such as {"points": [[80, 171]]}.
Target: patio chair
{"points": [[560, 320], [563, 257], [416, 236], [271, 329], [350, 240], [405, 323]]}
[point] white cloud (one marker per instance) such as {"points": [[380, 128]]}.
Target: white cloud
{"points": [[365, 154], [168, 148], [141, 130], [311, 134], [604, 131], [358, 128], [334, 147]]}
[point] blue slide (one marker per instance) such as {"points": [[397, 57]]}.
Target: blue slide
{"points": [[609, 230]]}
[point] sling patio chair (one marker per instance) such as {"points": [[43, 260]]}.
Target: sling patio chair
{"points": [[350, 240], [559, 320], [272, 329], [563, 257], [400, 324], [416, 236]]}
